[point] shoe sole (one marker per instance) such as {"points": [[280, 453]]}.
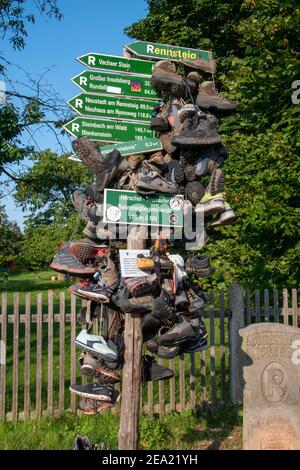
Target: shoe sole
{"points": [[171, 341], [90, 396], [226, 221], [100, 408], [217, 207], [96, 353], [215, 109], [194, 142], [62, 268], [98, 372], [90, 296], [163, 355], [144, 188]]}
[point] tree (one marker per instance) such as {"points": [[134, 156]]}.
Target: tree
{"points": [[256, 44], [10, 238]]}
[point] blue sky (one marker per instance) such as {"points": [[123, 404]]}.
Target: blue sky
{"points": [[87, 26]]}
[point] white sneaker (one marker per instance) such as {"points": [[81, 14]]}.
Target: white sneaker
{"points": [[95, 345]]}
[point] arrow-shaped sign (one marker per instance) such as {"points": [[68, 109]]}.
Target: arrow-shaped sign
{"points": [[116, 63], [115, 84], [104, 130], [112, 107], [166, 51]]}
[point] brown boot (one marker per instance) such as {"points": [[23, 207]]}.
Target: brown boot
{"points": [[209, 99], [201, 65]]}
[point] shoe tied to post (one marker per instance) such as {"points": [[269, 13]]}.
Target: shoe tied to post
{"points": [[152, 371], [225, 218], [209, 99], [211, 204]]}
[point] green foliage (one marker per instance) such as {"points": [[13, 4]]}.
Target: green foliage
{"points": [[256, 43], [10, 238]]}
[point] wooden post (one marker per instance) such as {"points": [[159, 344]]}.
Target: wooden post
{"points": [[237, 321], [131, 386]]}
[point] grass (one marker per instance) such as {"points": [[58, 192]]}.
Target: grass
{"points": [[218, 430]]}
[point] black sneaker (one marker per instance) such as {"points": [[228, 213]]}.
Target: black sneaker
{"points": [[150, 326], [179, 333], [93, 292], [96, 391], [151, 371]]}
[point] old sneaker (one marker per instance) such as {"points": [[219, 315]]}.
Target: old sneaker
{"points": [[216, 183], [92, 407], [209, 99], [66, 262], [196, 303], [225, 218], [139, 305], [95, 345], [93, 292], [113, 165], [165, 140], [197, 131], [198, 265], [211, 204], [94, 367], [88, 151], [159, 124], [152, 371], [139, 286], [194, 191], [96, 391], [157, 160], [165, 78], [179, 333], [164, 310]]}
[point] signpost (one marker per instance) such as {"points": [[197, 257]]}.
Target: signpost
{"points": [[104, 130], [115, 84], [112, 107], [129, 207], [166, 51], [115, 63]]}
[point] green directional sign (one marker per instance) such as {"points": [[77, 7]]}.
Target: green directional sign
{"points": [[166, 51], [127, 148], [112, 107], [116, 63], [104, 130], [115, 84], [129, 207]]}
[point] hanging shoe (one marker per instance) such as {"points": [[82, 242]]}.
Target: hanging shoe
{"points": [[96, 391], [94, 367], [179, 333], [211, 204], [95, 345], [225, 218], [197, 131], [165, 78], [152, 371], [210, 100]]}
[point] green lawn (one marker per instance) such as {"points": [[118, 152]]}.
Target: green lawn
{"points": [[220, 430]]}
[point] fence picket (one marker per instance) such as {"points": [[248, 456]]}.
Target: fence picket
{"points": [[285, 307], [212, 351], [203, 391], [222, 346], [27, 358], [61, 405], [150, 409], [16, 329], [266, 305], [294, 307], [50, 354], [192, 383], [161, 393], [248, 307], [3, 356], [182, 382], [276, 305], [257, 305], [39, 331], [73, 350], [172, 387]]}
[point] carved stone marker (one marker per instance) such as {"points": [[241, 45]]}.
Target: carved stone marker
{"points": [[271, 371]]}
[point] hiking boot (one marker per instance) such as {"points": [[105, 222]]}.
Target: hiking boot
{"points": [[165, 140], [196, 303], [139, 305], [164, 310], [88, 152], [167, 285], [113, 165], [196, 131], [186, 162], [92, 407], [209, 99], [93, 367], [216, 183], [165, 78], [96, 391], [90, 231], [174, 172], [108, 271], [159, 124], [95, 345], [181, 300], [66, 262], [152, 371], [194, 191], [151, 183], [187, 111], [150, 326], [179, 333], [169, 352], [166, 265], [134, 161], [199, 343], [139, 286], [93, 292], [201, 65], [211, 204], [198, 265], [157, 160], [82, 443], [225, 218], [195, 77], [81, 204]]}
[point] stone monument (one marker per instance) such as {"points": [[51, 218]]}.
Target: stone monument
{"points": [[271, 372]]}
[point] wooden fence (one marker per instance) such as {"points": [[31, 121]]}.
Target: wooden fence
{"points": [[39, 360]]}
